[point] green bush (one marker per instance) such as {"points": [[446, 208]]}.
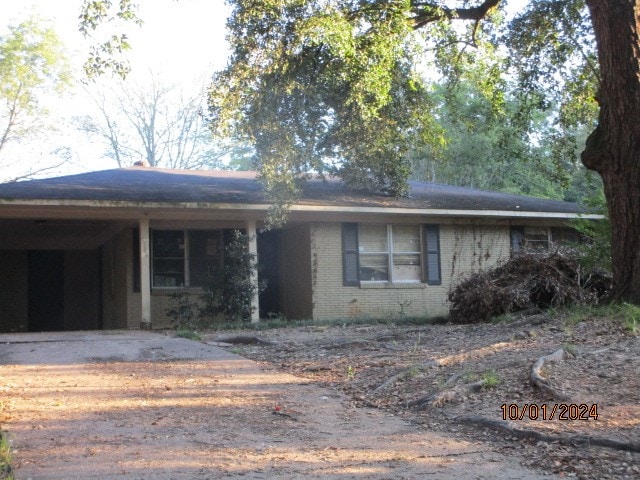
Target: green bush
{"points": [[595, 252], [227, 290], [183, 311]]}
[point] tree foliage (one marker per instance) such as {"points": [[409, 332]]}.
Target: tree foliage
{"points": [[107, 52], [488, 146], [336, 87], [328, 86], [323, 88], [33, 65]]}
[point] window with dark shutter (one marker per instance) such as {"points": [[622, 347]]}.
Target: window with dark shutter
{"points": [[432, 254], [350, 265]]}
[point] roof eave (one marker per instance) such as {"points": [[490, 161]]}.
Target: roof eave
{"points": [[6, 204]]}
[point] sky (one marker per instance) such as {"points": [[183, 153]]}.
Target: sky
{"points": [[179, 37], [181, 41]]}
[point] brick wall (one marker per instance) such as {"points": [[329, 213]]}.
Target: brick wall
{"points": [[117, 282], [463, 249], [312, 276]]}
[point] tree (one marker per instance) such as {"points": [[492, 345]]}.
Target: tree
{"points": [[487, 147], [152, 122], [612, 149], [107, 54], [32, 65], [327, 86]]}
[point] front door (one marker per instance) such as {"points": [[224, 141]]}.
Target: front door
{"points": [[269, 271]]}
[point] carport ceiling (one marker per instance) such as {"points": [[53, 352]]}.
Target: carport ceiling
{"points": [[56, 234]]}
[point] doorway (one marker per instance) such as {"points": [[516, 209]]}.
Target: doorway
{"points": [[45, 290], [269, 244]]}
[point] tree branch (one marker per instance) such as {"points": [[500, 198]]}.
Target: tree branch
{"points": [[427, 12]]}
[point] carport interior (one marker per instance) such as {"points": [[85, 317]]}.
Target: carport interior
{"points": [[52, 274]]}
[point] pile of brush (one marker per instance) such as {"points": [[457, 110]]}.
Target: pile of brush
{"points": [[526, 282]]}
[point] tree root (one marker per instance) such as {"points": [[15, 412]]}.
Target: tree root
{"points": [[543, 383], [506, 427], [438, 399], [406, 373], [244, 340]]}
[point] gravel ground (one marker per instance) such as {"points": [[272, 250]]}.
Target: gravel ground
{"points": [[140, 405], [391, 367]]}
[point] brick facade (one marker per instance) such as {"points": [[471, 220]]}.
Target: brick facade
{"points": [[312, 281], [463, 249]]}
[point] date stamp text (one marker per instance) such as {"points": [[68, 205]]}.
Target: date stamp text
{"points": [[556, 411]]}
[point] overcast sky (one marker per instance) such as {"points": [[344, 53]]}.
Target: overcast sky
{"points": [[182, 38], [181, 41]]}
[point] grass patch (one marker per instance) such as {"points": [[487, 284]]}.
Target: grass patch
{"points": [[188, 334], [579, 313], [630, 316], [490, 379], [571, 349], [626, 313], [351, 372], [502, 319], [6, 471]]}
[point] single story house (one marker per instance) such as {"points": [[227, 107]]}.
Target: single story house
{"points": [[106, 249]]}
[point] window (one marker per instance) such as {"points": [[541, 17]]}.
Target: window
{"points": [[390, 253], [539, 239], [373, 247], [182, 258]]}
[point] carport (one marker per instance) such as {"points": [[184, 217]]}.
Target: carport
{"points": [[52, 273], [77, 252]]}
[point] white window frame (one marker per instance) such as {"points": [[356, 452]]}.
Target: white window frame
{"points": [[390, 254]]}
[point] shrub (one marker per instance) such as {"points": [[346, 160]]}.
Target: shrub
{"points": [[183, 311], [227, 290], [595, 252]]}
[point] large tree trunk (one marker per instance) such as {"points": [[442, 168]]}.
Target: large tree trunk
{"points": [[613, 149]]}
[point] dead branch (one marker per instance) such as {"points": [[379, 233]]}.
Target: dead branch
{"points": [[524, 282]]}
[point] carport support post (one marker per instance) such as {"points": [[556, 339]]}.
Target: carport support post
{"points": [[145, 275], [253, 250]]}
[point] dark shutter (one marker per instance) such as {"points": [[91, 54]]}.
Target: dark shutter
{"points": [[432, 254], [350, 264], [517, 239]]}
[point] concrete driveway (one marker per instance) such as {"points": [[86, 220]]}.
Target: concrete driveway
{"points": [[142, 405]]}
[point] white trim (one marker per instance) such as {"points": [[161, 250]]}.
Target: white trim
{"points": [[109, 205], [145, 273], [252, 236]]}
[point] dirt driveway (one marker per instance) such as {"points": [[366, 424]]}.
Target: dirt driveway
{"points": [[140, 405]]}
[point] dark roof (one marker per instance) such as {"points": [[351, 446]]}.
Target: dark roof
{"points": [[143, 184]]}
